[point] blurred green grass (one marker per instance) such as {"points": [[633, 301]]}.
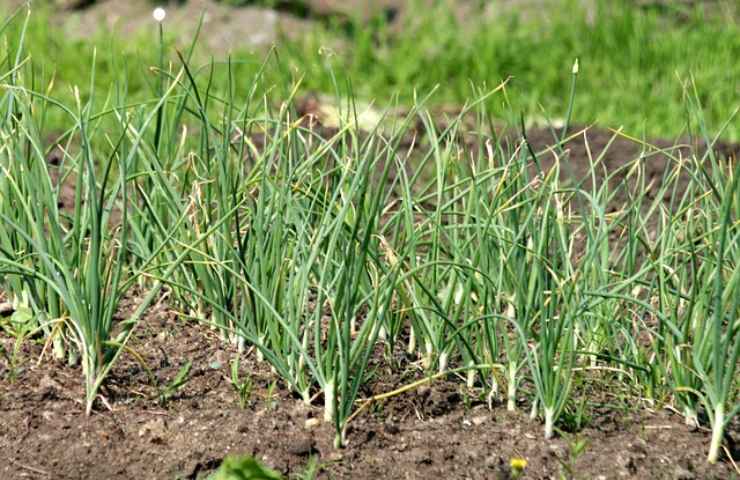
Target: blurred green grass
{"points": [[635, 63]]}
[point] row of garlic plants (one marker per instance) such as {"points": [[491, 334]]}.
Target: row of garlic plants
{"points": [[318, 246]]}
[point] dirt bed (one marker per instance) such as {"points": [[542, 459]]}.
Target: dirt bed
{"points": [[439, 431]]}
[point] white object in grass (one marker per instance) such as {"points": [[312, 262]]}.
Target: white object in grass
{"points": [[159, 14]]}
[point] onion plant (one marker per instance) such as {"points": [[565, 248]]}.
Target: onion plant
{"points": [[701, 285], [72, 264]]}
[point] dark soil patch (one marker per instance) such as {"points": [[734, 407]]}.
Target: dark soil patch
{"points": [[612, 151]]}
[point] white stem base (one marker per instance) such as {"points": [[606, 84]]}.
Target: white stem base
{"points": [[443, 359], [471, 375], [549, 422], [426, 361], [340, 440], [58, 347], [382, 334], [511, 398], [329, 402], [511, 390], [493, 394], [718, 430]]}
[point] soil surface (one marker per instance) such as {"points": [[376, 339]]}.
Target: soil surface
{"points": [[441, 430], [610, 151]]}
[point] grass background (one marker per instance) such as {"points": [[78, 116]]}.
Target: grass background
{"points": [[635, 62]]}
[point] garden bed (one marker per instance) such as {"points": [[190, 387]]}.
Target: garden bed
{"points": [[441, 428]]}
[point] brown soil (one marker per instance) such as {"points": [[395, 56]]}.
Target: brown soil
{"points": [[442, 430], [613, 150]]}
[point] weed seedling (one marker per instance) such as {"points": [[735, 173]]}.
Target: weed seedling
{"points": [[176, 384], [576, 448], [270, 394], [242, 387]]}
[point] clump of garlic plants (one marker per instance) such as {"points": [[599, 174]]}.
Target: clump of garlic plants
{"points": [[331, 250]]}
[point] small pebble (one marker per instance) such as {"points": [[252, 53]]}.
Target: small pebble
{"points": [[312, 423], [479, 420]]}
